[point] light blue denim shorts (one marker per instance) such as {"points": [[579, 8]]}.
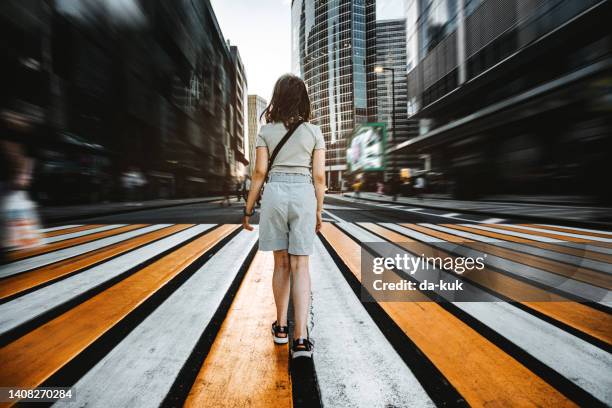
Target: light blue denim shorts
{"points": [[288, 214]]}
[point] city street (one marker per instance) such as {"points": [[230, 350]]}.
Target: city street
{"points": [[172, 306]]}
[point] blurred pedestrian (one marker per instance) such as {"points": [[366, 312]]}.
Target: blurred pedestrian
{"points": [[380, 188], [246, 187], [419, 187], [396, 185], [226, 193], [238, 190], [357, 189]]}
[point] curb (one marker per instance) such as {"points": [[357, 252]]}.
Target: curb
{"points": [[538, 218]]}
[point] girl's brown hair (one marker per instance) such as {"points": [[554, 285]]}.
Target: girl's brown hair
{"points": [[290, 102]]}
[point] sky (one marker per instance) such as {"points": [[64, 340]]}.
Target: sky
{"points": [[263, 36]]}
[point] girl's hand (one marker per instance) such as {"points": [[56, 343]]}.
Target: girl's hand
{"points": [[245, 223], [319, 222]]}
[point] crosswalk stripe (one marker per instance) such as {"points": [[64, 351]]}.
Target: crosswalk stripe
{"points": [[25, 253], [83, 232], [488, 376], [560, 236], [59, 228], [70, 252], [22, 310], [579, 289], [588, 231], [28, 280], [377, 377], [523, 234], [582, 236], [585, 319], [466, 231], [243, 363], [584, 361], [31, 359], [70, 230], [145, 381], [579, 261]]}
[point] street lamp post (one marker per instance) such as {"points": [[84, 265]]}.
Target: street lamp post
{"points": [[380, 69]]}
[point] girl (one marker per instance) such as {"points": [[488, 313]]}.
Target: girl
{"points": [[292, 202]]}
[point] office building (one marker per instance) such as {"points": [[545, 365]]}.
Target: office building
{"points": [[333, 50], [256, 106], [509, 94], [239, 102], [392, 85]]}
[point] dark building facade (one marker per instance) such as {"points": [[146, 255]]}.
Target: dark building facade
{"points": [[150, 88], [239, 95], [391, 54], [513, 95], [334, 51]]}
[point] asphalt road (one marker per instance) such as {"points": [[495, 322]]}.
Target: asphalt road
{"points": [[335, 209]]}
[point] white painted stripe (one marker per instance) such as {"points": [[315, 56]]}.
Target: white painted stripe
{"points": [[450, 215], [579, 229], [409, 232], [77, 234], [413, 209], [514, 234], [335, 217], [355, 364], [61, 254], [144, 381], [565, 234], [493, 220], [61, 227], [540, 252], [462, 234], [583, 363], [25, 308], [562, 283]]}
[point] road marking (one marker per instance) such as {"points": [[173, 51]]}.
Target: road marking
{"points": [[378, 377], [573, 229], [28, 280], [70, 230], [63, 254], [450, 215], [81, 233], [562, 233], [26, 308], [583, 318], [26, 253], [31, 359], [244, 364], [493, 220], [61, 227], [145, 381], [335, 217], [488, 376]]}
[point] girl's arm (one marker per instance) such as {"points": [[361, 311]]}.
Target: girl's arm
{"points": [[318, 175], [259, 174]]}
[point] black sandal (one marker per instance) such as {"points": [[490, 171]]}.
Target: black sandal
{"points": [[277, 331], [302, 348]]}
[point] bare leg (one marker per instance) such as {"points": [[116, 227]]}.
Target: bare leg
{"points": [[280, 285], [300, 293]]}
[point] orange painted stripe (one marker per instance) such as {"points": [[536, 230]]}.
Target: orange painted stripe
{"points": [[34, 357], [244, 367], [544, 245], [571, 230], [71, 230], [481, 372], [549, 235], [25, 253], [577, 315], [589, 276], [27, 280]]}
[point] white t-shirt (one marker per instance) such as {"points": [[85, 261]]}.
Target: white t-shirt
{"points": [[296, 155]]}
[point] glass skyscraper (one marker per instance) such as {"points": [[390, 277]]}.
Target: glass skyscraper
{"points": [[334, 51]]}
